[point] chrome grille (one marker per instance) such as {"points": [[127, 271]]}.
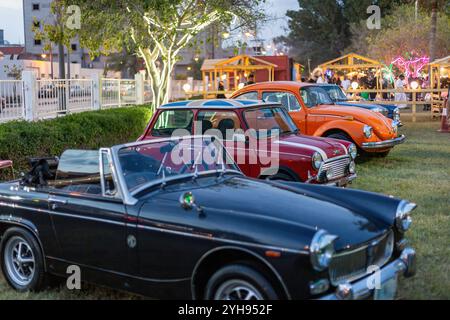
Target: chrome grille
{"points": [[338, 166], [348, 266]]}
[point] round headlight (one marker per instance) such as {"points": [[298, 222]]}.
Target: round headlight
{"points": [[322, 250], [352, 167], [367, 131], [317, 161], [403, 218], [352, 151]]}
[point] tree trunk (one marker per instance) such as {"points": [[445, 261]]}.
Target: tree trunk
{"points": [[62, 69], [68, 63], [433, 32]]}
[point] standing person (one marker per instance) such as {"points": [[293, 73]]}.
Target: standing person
{"points": [[345, 83], [317, 74], [251, 80], [221, 87], [400, 95]]}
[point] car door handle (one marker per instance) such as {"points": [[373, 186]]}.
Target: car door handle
{"points": [[57, 201]]}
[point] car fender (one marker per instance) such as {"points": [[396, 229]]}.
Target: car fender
{"points": [[25, 224], [246, 252], [353, 128]]}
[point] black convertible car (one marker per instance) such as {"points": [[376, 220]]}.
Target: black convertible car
{"points": [[175, 218]]}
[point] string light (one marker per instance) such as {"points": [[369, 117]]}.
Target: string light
{"points": [[411, 67]]}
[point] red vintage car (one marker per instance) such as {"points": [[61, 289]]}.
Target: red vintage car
{"points": [[261, 137]]}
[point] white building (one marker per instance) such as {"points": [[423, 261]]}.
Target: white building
{"points": [[36, 13]]}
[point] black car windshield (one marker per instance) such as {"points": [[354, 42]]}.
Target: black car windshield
{"points": [[315, 95], [268, 121], [158, 161], [336, 93]]}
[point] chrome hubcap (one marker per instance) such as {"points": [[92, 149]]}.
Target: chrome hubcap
{"points": [[19, 261], [237, 290]]}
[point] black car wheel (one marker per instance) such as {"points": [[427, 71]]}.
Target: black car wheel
{"points": [[239, 282], [22, 260]]}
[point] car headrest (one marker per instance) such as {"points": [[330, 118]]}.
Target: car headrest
{"points": [[206, 125]]}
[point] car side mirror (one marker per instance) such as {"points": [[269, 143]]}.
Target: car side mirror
{"points": [[187, 202]]}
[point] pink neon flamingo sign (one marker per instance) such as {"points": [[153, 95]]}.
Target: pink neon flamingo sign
{"points": [[411, 67]]}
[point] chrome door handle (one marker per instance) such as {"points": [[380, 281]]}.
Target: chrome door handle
{"points": [[58, 201]]}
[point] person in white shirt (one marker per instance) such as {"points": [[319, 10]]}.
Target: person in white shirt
{"points": [[400, 95], [345, 84], [317, 75]]}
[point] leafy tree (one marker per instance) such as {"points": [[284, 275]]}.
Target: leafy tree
{"points": [[321, 29], [318, 31], [402, 33], [56, 32], [125, 62], [159, 29]]}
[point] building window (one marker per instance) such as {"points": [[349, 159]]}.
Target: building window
{"points": [[74, 47], [35, 6], [37, 24], [37, 42]]}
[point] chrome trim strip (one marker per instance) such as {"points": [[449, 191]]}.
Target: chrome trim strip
{"points": [[342, 181], [383, 144], [69, 215], [244, 243]]}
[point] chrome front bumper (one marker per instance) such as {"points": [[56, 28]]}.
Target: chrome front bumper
{"points": [[405, 265], [342, 182], [383, 144]]}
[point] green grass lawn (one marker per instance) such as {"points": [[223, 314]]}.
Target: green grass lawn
{"points": [[418, 170]]}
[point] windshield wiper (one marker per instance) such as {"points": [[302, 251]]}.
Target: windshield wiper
{"points": [[195, 165]]}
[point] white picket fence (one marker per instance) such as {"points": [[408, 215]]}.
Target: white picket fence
{"points": [[33, 99], [11, 100]]}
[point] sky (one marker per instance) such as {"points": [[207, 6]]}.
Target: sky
{"points": [[11, 19]]}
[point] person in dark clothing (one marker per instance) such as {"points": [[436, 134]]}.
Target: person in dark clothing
{"points": [[251, 80], [221, 87]]}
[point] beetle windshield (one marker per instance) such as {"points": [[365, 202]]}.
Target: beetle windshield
{"points": [[313, 96], [145, 164], [335, 93]]}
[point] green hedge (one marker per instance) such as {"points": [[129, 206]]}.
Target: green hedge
{"points": [[20, 140]]}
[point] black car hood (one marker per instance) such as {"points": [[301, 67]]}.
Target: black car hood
{"points": [[279, 205]]}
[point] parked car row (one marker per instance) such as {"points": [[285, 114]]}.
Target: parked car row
{"points": [[218, 199], [316, 114]]}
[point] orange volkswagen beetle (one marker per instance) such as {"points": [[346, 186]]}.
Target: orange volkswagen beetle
{"points": [[315, 114]]}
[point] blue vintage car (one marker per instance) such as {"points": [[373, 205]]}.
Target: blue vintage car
{"points": [[339, 97]]}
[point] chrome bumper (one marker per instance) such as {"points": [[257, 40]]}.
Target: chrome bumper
{"points": [[383, 144], [342, 181], [405, 265]]}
